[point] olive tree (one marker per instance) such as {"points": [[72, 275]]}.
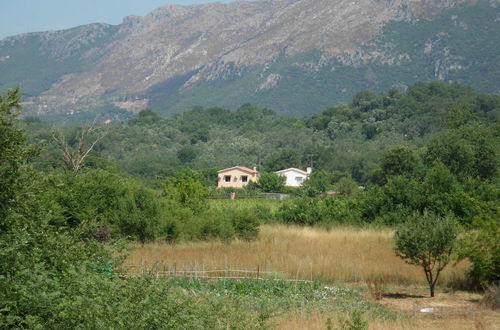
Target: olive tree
{"points": [[426, 240]]}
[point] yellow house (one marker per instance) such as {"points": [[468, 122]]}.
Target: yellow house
{"points": [[236, 177]]}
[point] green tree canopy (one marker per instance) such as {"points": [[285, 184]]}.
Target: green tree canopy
{"points": [[468, 151], [426, 240], [14, 154], [399, 160], [272, 182], [186, 190]]}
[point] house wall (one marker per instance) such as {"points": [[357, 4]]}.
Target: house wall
{"points": [[291, 178], [235, 181]]}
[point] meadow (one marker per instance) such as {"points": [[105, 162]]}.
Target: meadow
{"points": [[347, 257], [342, 254]]}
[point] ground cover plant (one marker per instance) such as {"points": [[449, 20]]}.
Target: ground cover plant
{"points": [[267, 300]]}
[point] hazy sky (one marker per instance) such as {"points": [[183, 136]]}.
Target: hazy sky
{"points": [[20, 16]]}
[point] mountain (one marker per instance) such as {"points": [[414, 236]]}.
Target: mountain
{"points": [[295, 56]]}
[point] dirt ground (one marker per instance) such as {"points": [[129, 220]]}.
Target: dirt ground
{"points": [[451, 310]]}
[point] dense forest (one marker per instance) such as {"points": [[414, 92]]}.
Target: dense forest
{"points": [[349, 138], [71, 196]]}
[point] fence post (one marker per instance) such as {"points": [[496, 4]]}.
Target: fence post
{"points": [[258, 271]]}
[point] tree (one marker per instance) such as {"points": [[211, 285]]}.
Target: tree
{"points": [[37, 260], [347, 186], [272, 182], [426, 240], [145, 117], [366, 100], [187, 154], [468, 151], [458, 116], [282, 159], [74, 156], [399, 160], [318, 182], [14, 154], [187, 191]]}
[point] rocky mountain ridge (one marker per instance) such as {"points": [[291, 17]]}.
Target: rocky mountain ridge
{"points": [[147, 61]]}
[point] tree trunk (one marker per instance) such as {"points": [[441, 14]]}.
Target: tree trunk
{"points": [[431, 280]]}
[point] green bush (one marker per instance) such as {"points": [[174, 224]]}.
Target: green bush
{"points": [[250, 191], [319, 182], [481, 246], [108, 199], [354, 322], [272, 183], [246, 224], [324, 212], [186, 190]]}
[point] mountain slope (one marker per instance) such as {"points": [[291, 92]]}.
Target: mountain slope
{"points": [[296, 56]]}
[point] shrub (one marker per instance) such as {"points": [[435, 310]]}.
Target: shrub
{"points": [[315, 211], [491, 298], [272, 182], [304, 211], [481, 246], [347, 186], [354, 322], [376, 285], [187, 191], [263, 213], [106, 199], [246, 224], [317, 183]]}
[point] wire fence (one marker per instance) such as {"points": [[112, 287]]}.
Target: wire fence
{"points": [[223, 274]]}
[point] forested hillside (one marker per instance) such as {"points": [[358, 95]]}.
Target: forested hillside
{"points": [[296, 57], [348, 138]]}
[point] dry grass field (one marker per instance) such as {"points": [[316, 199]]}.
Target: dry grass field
{"points": [[343, 254], [347, 255]]}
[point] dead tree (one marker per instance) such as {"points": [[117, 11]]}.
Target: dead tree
{"points": [[74, 156]]}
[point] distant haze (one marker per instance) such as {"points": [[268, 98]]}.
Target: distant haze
{"points": [[22, 16]]}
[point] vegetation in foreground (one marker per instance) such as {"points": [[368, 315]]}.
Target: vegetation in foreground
{"points": [[349, 255]]}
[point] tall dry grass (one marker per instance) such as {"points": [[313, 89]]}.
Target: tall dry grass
{"points": [[341, 254]]}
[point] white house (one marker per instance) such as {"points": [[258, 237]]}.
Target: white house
{"points": [[294, 176]]}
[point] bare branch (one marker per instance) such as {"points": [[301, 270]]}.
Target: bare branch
{"points": [[74, 158]]}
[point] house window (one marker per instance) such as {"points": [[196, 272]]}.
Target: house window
{"points": [[244, 178], [227, 178], [298, 178]]}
